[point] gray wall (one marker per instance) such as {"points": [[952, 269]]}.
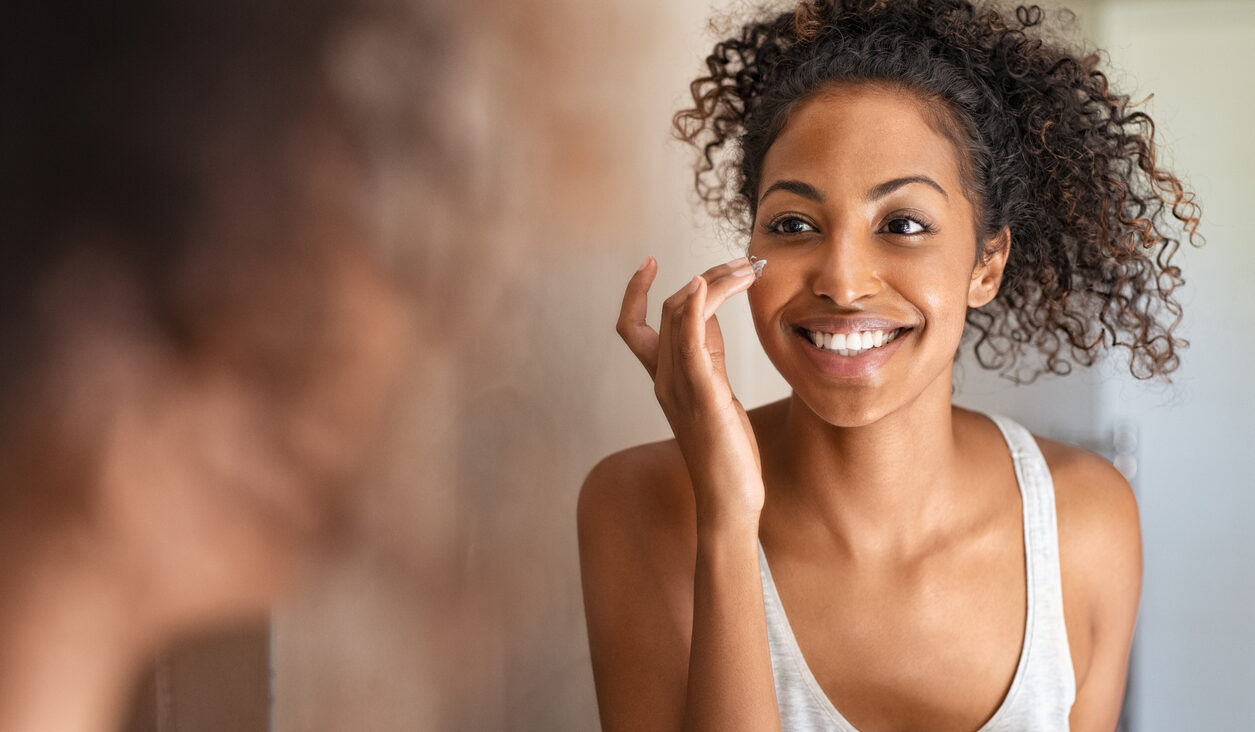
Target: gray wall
{"points": [[1195, 663]]}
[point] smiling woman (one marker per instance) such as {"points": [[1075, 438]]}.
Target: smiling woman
{"points": [[903, 244], [864, 554]]}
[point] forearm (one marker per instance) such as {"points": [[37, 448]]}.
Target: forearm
{"points": [[730, 683]]}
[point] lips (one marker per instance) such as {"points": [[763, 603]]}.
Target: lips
{"points": [[852, 344], [845, 347]]}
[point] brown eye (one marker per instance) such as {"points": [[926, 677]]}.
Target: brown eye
{"points": [[789, 225], [906, 226]]}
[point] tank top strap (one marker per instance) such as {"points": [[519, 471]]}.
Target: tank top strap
{"points": [[1046, 688], [1041, 534]]}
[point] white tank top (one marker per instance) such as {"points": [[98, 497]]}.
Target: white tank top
{"points": [[1043, 688]]}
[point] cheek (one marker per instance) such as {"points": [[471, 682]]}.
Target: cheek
{"points": [[939, 280], [943, 301], [770, 292], [760, 309]]}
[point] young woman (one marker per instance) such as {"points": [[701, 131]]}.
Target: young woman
{"points": [[864, 554]]}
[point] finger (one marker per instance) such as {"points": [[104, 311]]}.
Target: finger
{"points": [[691, 348], [724, 287], [669, 329], [720, 270], [682, 305], [714, 346], [641, 339]]}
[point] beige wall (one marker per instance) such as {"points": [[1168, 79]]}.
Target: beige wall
{"points": [[455, 603]]}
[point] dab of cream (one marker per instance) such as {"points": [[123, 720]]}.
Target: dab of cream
{"points": [[757, 265]]}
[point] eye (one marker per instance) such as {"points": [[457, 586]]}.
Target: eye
{"points": [[788, 225], [907, 226]]}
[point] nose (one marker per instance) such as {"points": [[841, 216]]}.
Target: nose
{"points": [[846, 269]]}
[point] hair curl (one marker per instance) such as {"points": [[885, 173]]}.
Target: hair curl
{"points": [[1048, 149]]}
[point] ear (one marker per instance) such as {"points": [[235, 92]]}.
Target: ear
{"points": [[987, 276]]}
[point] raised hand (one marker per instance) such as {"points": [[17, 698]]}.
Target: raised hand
{"points": [[685, 358]]}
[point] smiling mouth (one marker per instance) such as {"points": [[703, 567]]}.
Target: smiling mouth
{"points": [[852, 344]]}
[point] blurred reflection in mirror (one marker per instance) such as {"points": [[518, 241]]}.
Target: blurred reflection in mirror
{"points": [[199, 337]]}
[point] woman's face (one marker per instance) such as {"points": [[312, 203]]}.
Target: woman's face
{"points": [[868, 240]]}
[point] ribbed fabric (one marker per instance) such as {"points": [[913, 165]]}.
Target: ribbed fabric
{"points": [[1043, 688]]}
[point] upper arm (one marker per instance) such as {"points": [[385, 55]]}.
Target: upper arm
{"points": [[1101, 558], [632, 560]]}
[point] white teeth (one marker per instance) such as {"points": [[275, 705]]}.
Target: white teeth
{"points": [[852, 344]]}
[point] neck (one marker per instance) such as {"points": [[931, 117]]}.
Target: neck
{"points": [[887, 488], [69, 638]]}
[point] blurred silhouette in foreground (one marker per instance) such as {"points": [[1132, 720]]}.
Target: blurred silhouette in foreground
{"points": [[196, 339]]}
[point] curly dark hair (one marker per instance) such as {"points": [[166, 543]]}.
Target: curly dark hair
{"points": [[1048, 149]]}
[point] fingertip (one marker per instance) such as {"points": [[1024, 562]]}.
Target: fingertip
{"points": [[643, 278], [650, 270], [703, 290], [759, 265]]}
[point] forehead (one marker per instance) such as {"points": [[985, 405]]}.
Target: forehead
{"points": [[846, 139]]}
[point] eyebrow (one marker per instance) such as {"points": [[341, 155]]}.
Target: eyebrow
{"points": [[806, 190], [889, 186]]}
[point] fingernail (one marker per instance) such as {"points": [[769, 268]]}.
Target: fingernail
{"points": [[745, 271], [693, 284], [644, 264]]}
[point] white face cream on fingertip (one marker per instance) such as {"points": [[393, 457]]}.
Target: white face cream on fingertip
{"points": [[757, 265]]}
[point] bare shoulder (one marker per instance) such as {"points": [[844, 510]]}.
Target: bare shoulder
{"points": [[1095, 504], [645, 490], [642, 491], [638, 543], [1100, 556], [637, 526]]}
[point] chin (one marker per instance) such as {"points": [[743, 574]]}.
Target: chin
{"points": [[866, 388], [849, 408]]}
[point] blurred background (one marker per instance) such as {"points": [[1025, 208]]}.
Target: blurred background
{"points": [[452, 599]]}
